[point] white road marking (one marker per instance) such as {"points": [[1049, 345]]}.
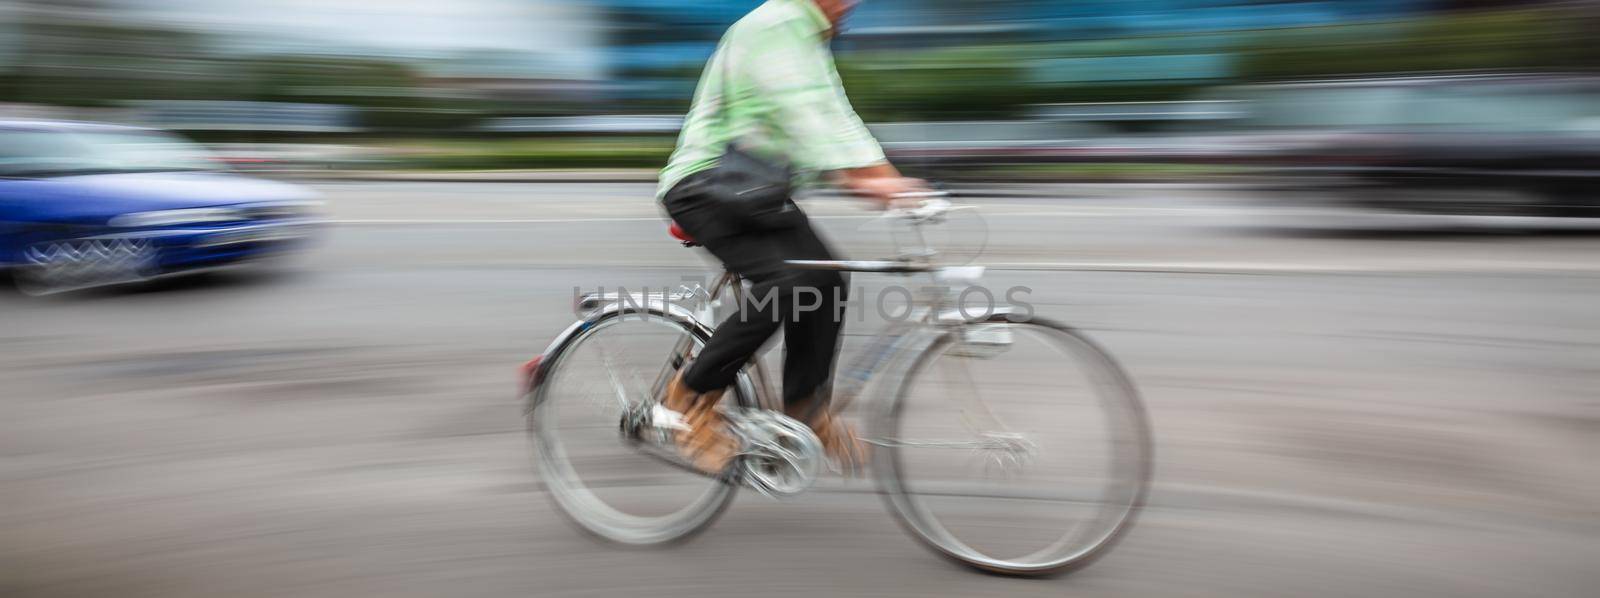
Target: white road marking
{"points": [[1301, 267], [1081, 213], [426, 221], [1544, 267], [1405, 220], [1191, 267]]}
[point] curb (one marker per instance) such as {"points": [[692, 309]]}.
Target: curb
{"points": [[484, 176], [641, 175]]}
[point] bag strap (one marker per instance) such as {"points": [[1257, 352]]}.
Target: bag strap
{"points": [[724, 108], [725, 116]]}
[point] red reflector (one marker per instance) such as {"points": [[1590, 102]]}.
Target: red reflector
{"points": [[530, 372]]}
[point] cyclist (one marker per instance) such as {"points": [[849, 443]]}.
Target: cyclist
{"points": [[772, 87]]}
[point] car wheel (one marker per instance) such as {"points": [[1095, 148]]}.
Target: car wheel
{"points": [[60, 266]]}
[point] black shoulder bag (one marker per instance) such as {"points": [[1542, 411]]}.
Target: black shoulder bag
{"points": [[756, 191]]}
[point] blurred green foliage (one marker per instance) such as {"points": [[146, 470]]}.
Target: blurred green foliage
{"points": [[1464, 41], [105, 65], [492, 154], [973, 81], [99, 64], [997, 81], [391, 95]]}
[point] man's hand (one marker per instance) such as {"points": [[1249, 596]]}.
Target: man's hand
{"points": [[885, 189], [881, 182]]}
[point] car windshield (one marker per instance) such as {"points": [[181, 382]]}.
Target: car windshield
{"points": [[35, 153]]}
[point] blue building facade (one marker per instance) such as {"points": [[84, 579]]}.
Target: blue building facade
{"points": [[651, 44]]}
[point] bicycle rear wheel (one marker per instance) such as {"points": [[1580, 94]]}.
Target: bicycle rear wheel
{"points": [[1015, 447], [596, 473]]}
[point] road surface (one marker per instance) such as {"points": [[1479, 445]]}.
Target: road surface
{"points": [[1337, 413]]}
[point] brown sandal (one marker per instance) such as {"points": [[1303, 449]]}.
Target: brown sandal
{"points": [[706, 443], [839, 441]]}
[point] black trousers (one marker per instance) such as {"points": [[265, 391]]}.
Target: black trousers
{"points": [[806, 304]]}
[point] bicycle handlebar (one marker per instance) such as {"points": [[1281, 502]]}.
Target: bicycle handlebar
{"points": [[875, 266], [932, 207]]}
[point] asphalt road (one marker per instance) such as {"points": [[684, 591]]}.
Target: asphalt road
{"points": [[1342, 408]]}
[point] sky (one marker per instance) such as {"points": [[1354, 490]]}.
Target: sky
{"points": [[554, 34]]}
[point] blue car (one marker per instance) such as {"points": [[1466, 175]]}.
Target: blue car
{"points": [[85, 205]]}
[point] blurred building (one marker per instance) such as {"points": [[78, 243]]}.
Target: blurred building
{"points": [[655, 46], [450, 65]]}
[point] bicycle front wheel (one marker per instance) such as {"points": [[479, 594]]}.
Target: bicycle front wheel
{"points": [[596, 473], [1018, 447]]}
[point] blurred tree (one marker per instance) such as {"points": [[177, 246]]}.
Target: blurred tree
{"points": [[1487, 4], [1451, 41], [75, 53], [354, 81], [86, 53], [961, 82]]}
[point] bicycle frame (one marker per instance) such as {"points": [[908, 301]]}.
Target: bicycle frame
{"points": [[782, 455], [929, 317], [695, 305]]}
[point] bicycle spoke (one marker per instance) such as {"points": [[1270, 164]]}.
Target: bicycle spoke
{"points": [[615, 374], [678, 357], [592, 469], [975, 413], [610, 367], [977, 489]]}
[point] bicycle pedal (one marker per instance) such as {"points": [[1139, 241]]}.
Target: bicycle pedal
{"points": [[652, 430], [983, 342], [662, 418], [652, 423]]}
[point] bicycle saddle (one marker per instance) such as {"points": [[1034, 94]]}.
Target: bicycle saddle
{"points": [[678, 233]]}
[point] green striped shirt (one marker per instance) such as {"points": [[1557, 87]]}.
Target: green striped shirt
{"points": [[772, 86]]}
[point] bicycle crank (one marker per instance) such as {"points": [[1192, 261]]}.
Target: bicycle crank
{"points": [[778, 456]]}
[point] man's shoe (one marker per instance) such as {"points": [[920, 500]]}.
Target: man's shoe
{"points": [[706, 443], [839, 441]]}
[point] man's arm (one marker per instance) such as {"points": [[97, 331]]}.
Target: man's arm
{"points": [[795, 72], [880, 181]]}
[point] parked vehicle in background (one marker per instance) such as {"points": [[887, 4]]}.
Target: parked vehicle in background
{"points": [[1193, 135], [1522, 144], [85, 205], [1517, 144]]}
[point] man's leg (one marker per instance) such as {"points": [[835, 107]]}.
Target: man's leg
{"points": [[811, 348], [757, 257], [811, 342], [696, 390], [811, 337], [732, 345], [754, 255]]}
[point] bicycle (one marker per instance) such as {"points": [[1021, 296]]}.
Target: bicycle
{"points": [[781, 457]]}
